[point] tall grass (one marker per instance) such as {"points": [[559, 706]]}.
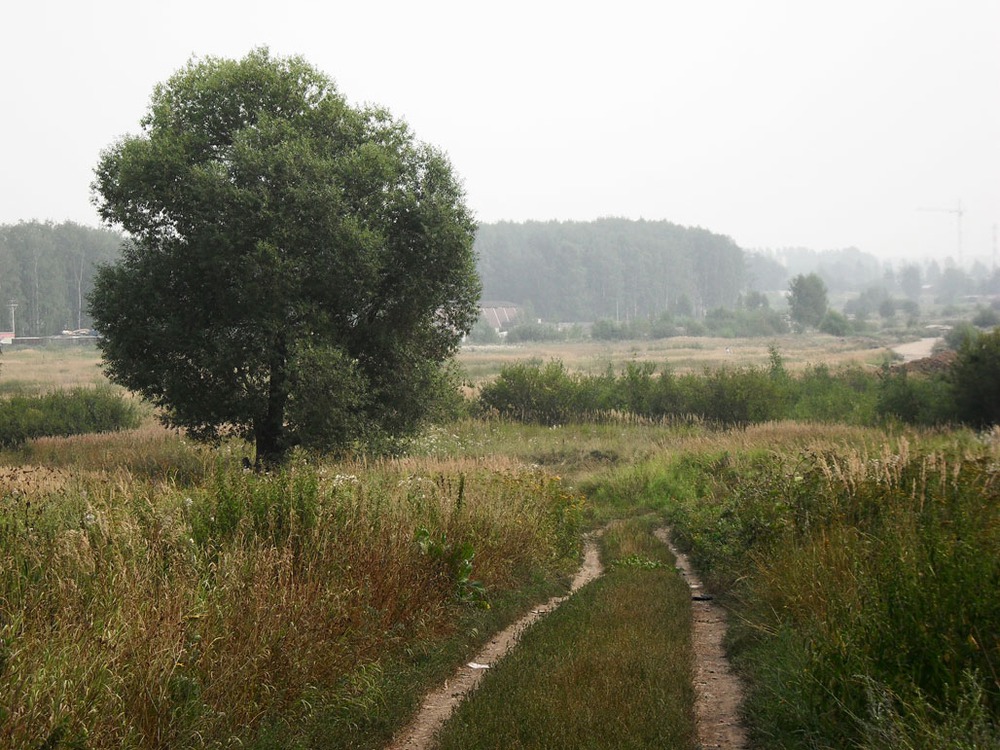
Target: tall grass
{"points": [[149, 614], [61, 413], [864, 584]]}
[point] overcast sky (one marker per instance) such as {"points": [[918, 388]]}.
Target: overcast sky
{"points": [[777, 122]]}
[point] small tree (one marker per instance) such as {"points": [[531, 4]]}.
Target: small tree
{"points": [[807, 300], [298, 269]]}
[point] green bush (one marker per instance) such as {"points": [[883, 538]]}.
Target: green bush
{"points": [[63, 413], [976, 377], [534, 332], [727, 396]]}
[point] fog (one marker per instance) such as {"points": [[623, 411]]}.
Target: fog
{"points": [[777, 123]]}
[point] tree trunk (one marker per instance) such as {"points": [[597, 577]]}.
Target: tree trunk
{"points": [[269, 432]]}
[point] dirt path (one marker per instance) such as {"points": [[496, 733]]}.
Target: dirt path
{"points": [[438, 705], [719, 692]]}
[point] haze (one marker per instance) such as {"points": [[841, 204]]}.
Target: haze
{"points": [[778, 123]]}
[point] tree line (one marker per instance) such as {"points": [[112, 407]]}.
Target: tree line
{"points": [[615, 269], [46, 272], [549, 394]]}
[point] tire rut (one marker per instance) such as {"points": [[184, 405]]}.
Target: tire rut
{"points": [[719, 693], [439, 704]]}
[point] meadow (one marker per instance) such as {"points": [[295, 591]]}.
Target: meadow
{"points": [[154, 595]]}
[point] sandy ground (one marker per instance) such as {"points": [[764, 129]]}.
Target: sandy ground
{"points": [[915, 349], [718, 690]]}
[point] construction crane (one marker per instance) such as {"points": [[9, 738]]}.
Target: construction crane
{"points": [[958, 211]]}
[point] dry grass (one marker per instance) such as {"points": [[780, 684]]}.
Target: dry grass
{"points": [[681, 354], [51, 368], [141, 611]]}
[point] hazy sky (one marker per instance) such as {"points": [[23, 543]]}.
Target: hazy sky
{"points": [[777, 122]]}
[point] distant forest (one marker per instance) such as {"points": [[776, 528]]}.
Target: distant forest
{"points": [[46, 269], [625, 270], [616, 269], [609, 269]]}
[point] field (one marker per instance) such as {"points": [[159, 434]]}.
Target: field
{"points": [[681, 354], [154, 595]]}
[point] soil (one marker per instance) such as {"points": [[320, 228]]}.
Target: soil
{"points": [[719, 693], [439, 704]]}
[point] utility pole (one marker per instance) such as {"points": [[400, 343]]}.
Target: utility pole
{"points": [[13, 306], [958, 211]]}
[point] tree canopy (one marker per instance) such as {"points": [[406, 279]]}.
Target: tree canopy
{"points": [[807, 300], [298, 269]]}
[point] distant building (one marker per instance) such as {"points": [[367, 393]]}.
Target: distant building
{"points": [[500, 315], [6, 338]]}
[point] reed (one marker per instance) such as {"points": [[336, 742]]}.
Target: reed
{"points": [[859, 576], [141, 611]]}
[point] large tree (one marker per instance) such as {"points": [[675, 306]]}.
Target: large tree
{"points": [[298, 269]]}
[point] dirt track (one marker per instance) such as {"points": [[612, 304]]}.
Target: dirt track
{"points": [[719, 692], [438, 705]]}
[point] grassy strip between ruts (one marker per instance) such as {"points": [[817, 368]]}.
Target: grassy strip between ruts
{"points": [[611, 668]]}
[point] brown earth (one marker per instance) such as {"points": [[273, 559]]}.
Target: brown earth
{"points": [[439, 704], [718, 691], [914, 350]]}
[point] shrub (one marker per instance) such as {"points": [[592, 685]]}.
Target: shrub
{"points": [[534, 332], [976, 374], [63, 413], [609, 330], [835, 324]]}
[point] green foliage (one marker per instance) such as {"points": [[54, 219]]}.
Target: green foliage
{"points": [[976, 377], [916, 400], [277, 230], [726, 396], [534, 332], [483, 333], [807, 301], [853, 579], [456, 562], [75, 412], [757, 321], [610, 330], [961, 333], [835, 324], [986, 317], [531, 393]]}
